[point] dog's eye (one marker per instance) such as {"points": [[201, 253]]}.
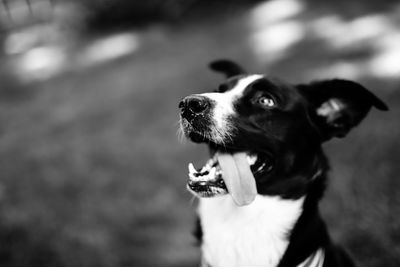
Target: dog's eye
{"points": [[266, 101]]}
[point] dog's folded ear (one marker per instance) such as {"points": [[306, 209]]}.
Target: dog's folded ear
{"points": [[227, 67], [338, 105]]}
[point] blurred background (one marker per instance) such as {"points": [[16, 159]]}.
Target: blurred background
{"points": [[91, 169]]}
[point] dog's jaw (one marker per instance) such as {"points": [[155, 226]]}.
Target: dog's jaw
{"points": [[253, 235]]}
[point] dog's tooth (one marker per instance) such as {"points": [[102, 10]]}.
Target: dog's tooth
{"points": [[196, 178], [248, 157], [192, 177], [203, 178], [218, 169], [191, 168], [204, 169], [213, 172], [251, 159]]}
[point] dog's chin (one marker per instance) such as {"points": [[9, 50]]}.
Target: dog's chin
{"points": [[207, 191], [197, 137], [191, 133]]}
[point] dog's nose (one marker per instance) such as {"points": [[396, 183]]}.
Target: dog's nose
{"points": [[195, 104]]}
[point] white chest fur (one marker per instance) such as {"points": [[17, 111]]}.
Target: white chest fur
{"points": [[249, 236]]}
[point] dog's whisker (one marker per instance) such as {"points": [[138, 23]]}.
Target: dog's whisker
{"points": [[181, 136], [180, 133], [179, 122]]}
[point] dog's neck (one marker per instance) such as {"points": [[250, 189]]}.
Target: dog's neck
{"points": [[253, 235]]}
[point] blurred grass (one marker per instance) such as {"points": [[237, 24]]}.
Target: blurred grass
{"points": [[92, 173]]}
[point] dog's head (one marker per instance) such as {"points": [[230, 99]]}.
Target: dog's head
{"points": [[278, 127]]}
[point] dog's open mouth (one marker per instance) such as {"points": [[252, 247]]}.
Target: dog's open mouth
{"points": [[225, 173]]}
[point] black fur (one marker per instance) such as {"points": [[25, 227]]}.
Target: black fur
{"points": [[197, 231], [227, 67]]}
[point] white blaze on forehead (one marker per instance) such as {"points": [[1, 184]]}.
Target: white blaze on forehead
{"points": [[224, 101]]}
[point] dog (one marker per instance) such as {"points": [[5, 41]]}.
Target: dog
{"points": [[259, 191]]}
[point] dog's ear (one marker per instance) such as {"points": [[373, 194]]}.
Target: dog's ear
{"points": [[338, 105], [227, 67]]}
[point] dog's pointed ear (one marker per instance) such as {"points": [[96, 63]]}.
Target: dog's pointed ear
{"points": [[338, 105], [227, 67]]}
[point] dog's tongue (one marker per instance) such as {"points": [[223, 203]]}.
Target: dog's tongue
{"points": [[238, 177]]}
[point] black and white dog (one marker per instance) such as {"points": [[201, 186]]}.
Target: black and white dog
{"points": [[260, 190]]}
